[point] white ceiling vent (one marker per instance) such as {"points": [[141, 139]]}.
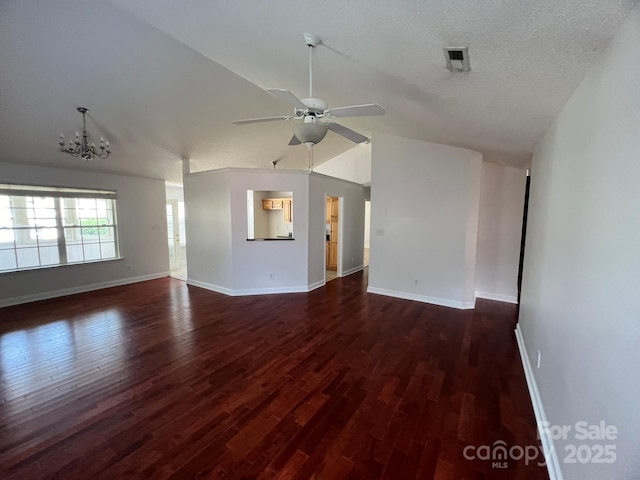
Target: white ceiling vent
{"points": [[457, 59]]}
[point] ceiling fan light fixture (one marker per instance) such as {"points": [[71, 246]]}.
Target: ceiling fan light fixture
{"points": [[310, 132]]}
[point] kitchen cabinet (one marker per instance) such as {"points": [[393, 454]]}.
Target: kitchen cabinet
{"points": [[332, 224], [272, 203], [287, 206], [334, 208], [284, 204]]}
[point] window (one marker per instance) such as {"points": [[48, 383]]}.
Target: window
{"points": [[43, 226]]}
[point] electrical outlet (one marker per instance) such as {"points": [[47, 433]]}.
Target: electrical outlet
{"points": [[538, 358]]}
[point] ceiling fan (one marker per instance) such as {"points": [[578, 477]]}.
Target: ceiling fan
{"points": [[314, 111]]}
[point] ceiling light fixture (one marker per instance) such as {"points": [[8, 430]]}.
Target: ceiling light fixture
{"points": [[80, 147], [310, 131]]}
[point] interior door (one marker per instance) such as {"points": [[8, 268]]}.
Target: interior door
{"points": [[173, 234]]}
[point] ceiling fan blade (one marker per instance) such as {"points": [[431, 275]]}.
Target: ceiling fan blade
{"points": [[294, 141], [259, 120], [347, 132], [356, 110], [288, 97]]}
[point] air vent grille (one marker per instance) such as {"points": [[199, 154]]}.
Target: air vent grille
{"points": [[457, 59]]}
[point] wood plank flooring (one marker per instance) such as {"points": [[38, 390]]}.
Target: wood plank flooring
{"points": [[166, 381]]}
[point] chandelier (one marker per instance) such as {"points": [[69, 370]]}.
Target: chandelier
{"points": [[80, 147]]}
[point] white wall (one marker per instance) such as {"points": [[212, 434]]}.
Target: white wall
{"points": [[277, 225], [274, 265], [220, 257], [424, 220], [351, 238], [141, 230], [353, 165], [499, 232], [260, 215], [208, 225], [580, 304]]}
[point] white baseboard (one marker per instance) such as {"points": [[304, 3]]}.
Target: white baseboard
{"points": [[254, 291], [84, 288], [210, 286], [444, 302], [270, 291], [497, 297], [352, 270], [550, 455], [314, 285]]}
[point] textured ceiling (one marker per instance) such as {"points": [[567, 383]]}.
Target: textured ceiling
{"points": [[165, 79]]}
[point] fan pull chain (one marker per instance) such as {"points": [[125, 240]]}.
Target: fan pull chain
{"points": [[310, 157]]}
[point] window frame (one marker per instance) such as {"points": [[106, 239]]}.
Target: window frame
{"points": [[59, 196]]}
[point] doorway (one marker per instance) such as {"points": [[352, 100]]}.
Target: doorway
{"points": [[332, 238], [176, 237]]}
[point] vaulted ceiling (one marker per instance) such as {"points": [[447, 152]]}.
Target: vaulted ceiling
{"points": [[164, 79]]}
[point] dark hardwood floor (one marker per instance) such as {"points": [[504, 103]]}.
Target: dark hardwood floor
{"points": [[162, 380]]}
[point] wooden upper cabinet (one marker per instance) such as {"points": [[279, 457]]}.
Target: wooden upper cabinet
{"points": [[267, 204], [284, 204], [287, 206], [272, 203]]}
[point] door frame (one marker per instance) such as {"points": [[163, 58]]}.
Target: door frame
{"points": [[523, 237], [340, 234]]}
